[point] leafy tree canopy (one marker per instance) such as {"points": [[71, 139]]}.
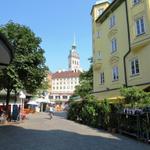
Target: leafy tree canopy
{"points": [[86, 84], [27, 70]]}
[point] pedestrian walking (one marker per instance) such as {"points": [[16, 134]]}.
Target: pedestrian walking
{"points": [[51, 111]]}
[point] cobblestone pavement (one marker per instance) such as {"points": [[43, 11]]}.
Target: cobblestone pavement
{"points": [[41, 133]]}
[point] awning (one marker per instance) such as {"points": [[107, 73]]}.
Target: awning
{"points": [[6, 52], [116, 99]]}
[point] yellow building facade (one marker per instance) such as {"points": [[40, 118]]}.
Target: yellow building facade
{"points": [[121, 46]]}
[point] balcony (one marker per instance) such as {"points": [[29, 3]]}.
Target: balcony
{"points": [[114, 59], [112, 32], [140, 42], [97, 64]]}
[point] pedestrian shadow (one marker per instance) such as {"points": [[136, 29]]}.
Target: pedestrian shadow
{"points": [[61, 115], [18, 138]]}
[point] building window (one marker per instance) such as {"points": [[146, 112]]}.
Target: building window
{"points": [[115, 74], [140, 26], [99, 55], [65, 97], [112, 21], [113, 45], [136, 2], [50, 97], [57, 97], [100, 11], [135, 67], [98, 34], [102, 79]]}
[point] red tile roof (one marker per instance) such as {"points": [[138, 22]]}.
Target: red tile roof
{"points": [[65, 74]]}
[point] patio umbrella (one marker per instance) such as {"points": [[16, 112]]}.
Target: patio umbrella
{"points": [[42, 100], [32, 103]]}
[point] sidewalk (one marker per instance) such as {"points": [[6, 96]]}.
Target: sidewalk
{"points": [[41, 133]]}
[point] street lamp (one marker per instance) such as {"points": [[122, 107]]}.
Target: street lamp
{"points": [[6, 52], [22, 96]]}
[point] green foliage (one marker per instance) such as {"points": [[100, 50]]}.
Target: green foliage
{"points": [[27, 70], [105, 109], [135, 97], [146, 99], [110, 115], [74, 109], [87, 76], [83, 89], [105, 106], [86, 111], [86, 84]]}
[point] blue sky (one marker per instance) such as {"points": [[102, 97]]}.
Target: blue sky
{"points": [[55, 21]]}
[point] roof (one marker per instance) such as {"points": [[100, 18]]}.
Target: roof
{"points": [[111, 8], [99, 3], [65, 74]]}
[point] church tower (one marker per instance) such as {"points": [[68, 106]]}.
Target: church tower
{"points": [[74, 59]]}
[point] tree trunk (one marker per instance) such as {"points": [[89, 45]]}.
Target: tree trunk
{"points": [[15, 96], [7, 99]]}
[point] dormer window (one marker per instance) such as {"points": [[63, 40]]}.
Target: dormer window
{"points": [[100, 11]]}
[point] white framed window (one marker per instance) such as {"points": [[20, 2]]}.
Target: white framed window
{"points": [[57, 97], [102, 78], [99, 55], [50, 97], [98, 34], [140, 26], [100, 11], [113, 45], [115, 73], [135, 67], [136, 2], [112, 21], [65, 97]]}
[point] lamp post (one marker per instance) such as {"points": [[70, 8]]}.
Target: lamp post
{"points": [[22, 96], [6, 52]]}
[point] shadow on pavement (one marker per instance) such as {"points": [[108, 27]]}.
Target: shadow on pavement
{"points": [[62, 114], [18, 138]]}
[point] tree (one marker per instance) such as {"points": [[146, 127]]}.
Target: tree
{"points": [[135, 96], [27, 70], [86, 84], [132, 95]]}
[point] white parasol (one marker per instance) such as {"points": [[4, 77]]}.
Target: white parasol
{"points": [[32, 103]]}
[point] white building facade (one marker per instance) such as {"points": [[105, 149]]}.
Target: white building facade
{"points": [[64, 82], [63, 85]]}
